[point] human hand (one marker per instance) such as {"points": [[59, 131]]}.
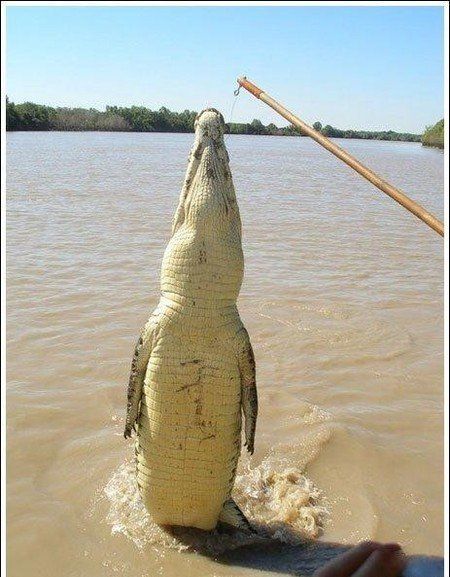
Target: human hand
{"points": [[369, 559]]}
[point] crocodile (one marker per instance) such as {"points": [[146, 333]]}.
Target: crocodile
{"points": [[193, 370]]}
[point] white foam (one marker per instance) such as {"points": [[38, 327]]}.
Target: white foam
{"points": [[280, 502]]}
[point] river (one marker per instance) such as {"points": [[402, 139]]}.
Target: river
{"points": [[343, 300]]}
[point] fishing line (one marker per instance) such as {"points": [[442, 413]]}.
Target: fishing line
{"points": [[231, 115]]}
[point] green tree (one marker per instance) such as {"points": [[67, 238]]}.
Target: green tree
{"points": [[257, 127], [12, 116], [434, 135], [34, 116], [332, 132], [272, 129]]}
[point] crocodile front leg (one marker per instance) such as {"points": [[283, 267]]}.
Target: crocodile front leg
{"points": [[249, 396], [139, 363]]}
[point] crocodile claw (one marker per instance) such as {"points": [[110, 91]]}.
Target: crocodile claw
{"points": [[250, 447]]}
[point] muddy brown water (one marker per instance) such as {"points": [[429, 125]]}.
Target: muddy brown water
{"points": [[343, 299]]}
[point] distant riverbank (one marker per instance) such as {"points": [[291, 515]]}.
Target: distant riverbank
{"points": [[434, 135], [31, 116]]}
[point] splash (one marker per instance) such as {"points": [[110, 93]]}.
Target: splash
{"points": [[127, 514], [281, 503]]}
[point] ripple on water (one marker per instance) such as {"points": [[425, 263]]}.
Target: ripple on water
{"points": [[355, 335]]}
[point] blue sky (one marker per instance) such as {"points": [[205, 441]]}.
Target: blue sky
{"points": [[352, 67]]}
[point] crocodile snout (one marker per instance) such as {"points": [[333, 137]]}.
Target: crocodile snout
{"points": [[209, 124]]}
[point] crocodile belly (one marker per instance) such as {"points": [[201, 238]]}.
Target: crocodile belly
{"points": [[189, 438]]}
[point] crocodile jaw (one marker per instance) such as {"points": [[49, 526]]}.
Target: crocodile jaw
{"points": [[203, 262]]}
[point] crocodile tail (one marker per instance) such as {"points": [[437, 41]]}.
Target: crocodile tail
{"points": [[232, 515]]}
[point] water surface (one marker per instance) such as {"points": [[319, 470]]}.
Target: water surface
{"points": [[343, 299]]}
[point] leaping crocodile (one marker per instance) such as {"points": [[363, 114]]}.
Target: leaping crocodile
{"points": [[193, 369]]}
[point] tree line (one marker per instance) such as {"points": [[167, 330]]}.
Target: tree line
{"points": [[434, 135], [31, 116]]}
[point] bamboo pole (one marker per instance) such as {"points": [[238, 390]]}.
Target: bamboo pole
{"points": [[368, 174]]}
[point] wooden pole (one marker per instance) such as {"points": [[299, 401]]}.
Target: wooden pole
{"points": [[384, 186]]}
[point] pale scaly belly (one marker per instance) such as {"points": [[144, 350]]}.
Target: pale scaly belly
{"points": [[189, 436]]}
